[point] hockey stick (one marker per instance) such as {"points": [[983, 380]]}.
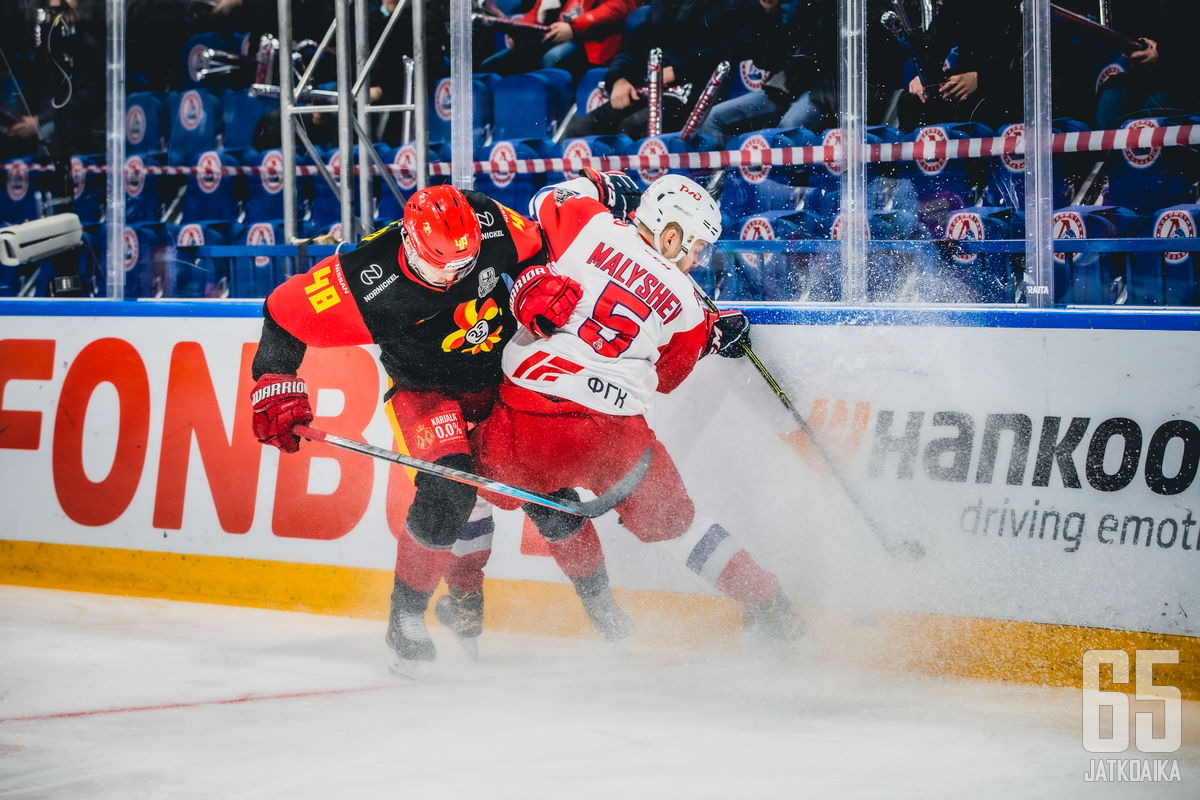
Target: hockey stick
{"points": [[582, 508], [908, 548]]}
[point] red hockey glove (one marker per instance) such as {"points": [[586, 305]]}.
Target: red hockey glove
{"points": [[280, 401], [542, 299], [728, 334], [617, 190]]}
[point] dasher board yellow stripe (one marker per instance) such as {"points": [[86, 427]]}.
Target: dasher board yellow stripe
{"points": [[928, 643]]}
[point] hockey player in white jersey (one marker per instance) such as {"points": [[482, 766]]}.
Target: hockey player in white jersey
{"points": [[571, 409]]}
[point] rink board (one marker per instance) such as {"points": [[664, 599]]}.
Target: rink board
{"points": [[1048, 470]]}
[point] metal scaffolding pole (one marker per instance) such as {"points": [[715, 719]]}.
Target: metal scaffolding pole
{"points": [[344, 122], [353, 109], [462, 140]]}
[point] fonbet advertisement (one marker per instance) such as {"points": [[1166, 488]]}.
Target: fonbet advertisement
{"points": [[1014, 474]]}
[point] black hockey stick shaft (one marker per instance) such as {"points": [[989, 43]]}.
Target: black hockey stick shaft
{"points": [[909, 548], [581, 508]]}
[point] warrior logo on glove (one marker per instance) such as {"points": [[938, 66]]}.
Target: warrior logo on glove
{"points": [[280, 401]]}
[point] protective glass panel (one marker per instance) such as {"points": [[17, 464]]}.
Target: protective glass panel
{"points": [[1125, 166]]}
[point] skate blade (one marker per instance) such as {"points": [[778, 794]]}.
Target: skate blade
{"points": [[470, 647], [406, 667]]}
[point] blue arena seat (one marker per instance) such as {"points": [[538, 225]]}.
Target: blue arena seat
{"points": [[512, 189], [192, 57], [757, 189], [588, 94], [195, 123], [1147, 179], [990, 275], [483, 87], [240, 114], [663, 145], [769, 276], [585, 147], [1172, 278], [264, 191], [143, 192], [1086, 278], [256, 276], [145, 259], [189, 275], [19, 200], [530, 105], [944, 184], [744, 77], [145, 122], [209, 194], [89, 187]]}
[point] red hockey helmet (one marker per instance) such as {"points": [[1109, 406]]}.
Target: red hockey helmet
{"points": [[442, 235]]}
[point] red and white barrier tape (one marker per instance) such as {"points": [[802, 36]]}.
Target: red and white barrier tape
{"points": [[939, 149]]}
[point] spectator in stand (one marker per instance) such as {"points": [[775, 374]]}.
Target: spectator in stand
{"points": [[799, 50], [972, 63], [1161, 75], [583, 34], [694, 38]]}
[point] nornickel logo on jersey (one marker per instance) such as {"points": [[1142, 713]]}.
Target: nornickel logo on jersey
{"points": [[371, 274]]}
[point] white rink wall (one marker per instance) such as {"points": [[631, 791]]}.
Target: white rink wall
{"points": [[1049, 472]]}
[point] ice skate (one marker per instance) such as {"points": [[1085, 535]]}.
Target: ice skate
{"points": [[410, 643], [607, 617], [774, 622], [462, 613]]}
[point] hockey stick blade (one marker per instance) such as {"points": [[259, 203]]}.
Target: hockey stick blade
{"points": [[909, 549], [580, 508]]}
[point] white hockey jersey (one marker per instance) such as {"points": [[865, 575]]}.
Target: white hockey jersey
{"points": [[638, 328]]}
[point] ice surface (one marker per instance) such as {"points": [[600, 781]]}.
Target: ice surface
{"points": [[111, 697]]}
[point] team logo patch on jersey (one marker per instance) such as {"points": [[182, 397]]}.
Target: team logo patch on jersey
{"points": [[475, 333], [1175, 224], [932, 163], [1068, 225], [487, 281]]}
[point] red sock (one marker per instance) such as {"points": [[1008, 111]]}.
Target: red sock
{"points": [[417, 566], [465, 573], [745, 581], [579, 555]]}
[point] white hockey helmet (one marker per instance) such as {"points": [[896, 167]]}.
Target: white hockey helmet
{"points": [[679, 199]]}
